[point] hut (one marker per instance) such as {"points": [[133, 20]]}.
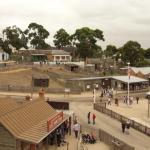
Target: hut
{"points": [[40, 80]]}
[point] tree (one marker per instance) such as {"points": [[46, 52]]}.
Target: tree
{"points": [[110, 51], [37, 35], [62, 39], [133, 53], [15, 36], [1, 42], [147, 53], [85, 39]]}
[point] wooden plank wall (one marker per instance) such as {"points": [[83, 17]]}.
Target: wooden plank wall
{"points": [[7, 141]]}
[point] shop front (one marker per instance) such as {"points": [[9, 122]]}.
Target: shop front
{"points": [[36, 129]]}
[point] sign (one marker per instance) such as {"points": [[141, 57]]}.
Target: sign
{"points": [[67, 90], [53, 122]]}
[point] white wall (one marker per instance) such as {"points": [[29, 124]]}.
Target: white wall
{"points": [[80, 63], [6, 56]]}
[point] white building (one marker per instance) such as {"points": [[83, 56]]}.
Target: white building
{"points": [[61, 56], [3, 55]]}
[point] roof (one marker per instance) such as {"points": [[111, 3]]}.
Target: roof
{"points": [[7, 104], [121, 78], [29, 122], [133, 79], [59, 52], [40, 76], [143, 70], [89, 78]]}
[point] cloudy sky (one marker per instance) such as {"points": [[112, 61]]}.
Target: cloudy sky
{"points": [[120, 20]]}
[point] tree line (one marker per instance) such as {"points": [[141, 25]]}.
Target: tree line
{"points": [[85, 40]]}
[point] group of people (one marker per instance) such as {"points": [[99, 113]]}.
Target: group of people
{"points": [[86, 138], [131, 99], [107, 92], [89, 118]]}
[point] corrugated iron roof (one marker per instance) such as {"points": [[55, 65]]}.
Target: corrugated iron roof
{"points": [[7, 104], [28, 122], [132, 79]]}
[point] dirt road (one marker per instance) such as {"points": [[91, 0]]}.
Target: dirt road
{"points": [[135, 138]]}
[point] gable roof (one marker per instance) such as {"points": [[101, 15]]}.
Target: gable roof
{"points": [[143, 70], [7, 104], [29, 122]]}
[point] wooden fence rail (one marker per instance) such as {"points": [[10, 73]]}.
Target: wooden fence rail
{"points": [[136, 125], [107, 138]]}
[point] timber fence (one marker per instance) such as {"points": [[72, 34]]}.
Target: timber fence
{"points": [[134, 124], [107, 138]]}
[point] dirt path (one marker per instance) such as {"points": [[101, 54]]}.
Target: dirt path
{"points": [[135, 138]]}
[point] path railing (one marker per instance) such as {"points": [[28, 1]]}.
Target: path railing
{"points": [[134, 124], [107, 138]]}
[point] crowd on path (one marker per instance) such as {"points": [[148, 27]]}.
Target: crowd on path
{"points": [[108, 94]]}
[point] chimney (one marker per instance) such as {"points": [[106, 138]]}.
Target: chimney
{"points": [[41, 94]]}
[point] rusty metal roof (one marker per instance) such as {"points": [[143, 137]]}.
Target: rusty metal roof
{"points": [[28, 122], [8, 104]]}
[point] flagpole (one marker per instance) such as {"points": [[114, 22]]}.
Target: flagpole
{"points": [[94, 95], [128, 83]]}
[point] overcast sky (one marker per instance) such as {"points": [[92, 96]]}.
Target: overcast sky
{"points": [[120, 20]]}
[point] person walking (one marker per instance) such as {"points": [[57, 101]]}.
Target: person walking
{"points": [[94, 117], [109, 101], [128, 126], [88, 116], [123, 125], [76, 128], [137, 99]]}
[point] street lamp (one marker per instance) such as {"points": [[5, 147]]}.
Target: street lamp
{"points": [[128, 82]]}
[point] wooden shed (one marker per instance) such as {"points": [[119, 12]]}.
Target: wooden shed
{"points": [[40, 80]]}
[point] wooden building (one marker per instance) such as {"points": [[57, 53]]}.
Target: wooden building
{"points": [[28, 126], [115, 82], [40, 80]]}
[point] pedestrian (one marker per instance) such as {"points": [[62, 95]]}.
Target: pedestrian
{"points": [[109, 101], [131, 100], [128, 126], [116, 101], [94, 117], [88, 116], [76, 129], [137, 99], [123, 125], [58, 135]]}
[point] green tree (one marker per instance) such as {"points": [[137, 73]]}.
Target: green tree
{"points": [[132, 52], [85, 39], [15, 36], [147, 53], [110, 51], [62, 39], [37, 35], [1, 42]]}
